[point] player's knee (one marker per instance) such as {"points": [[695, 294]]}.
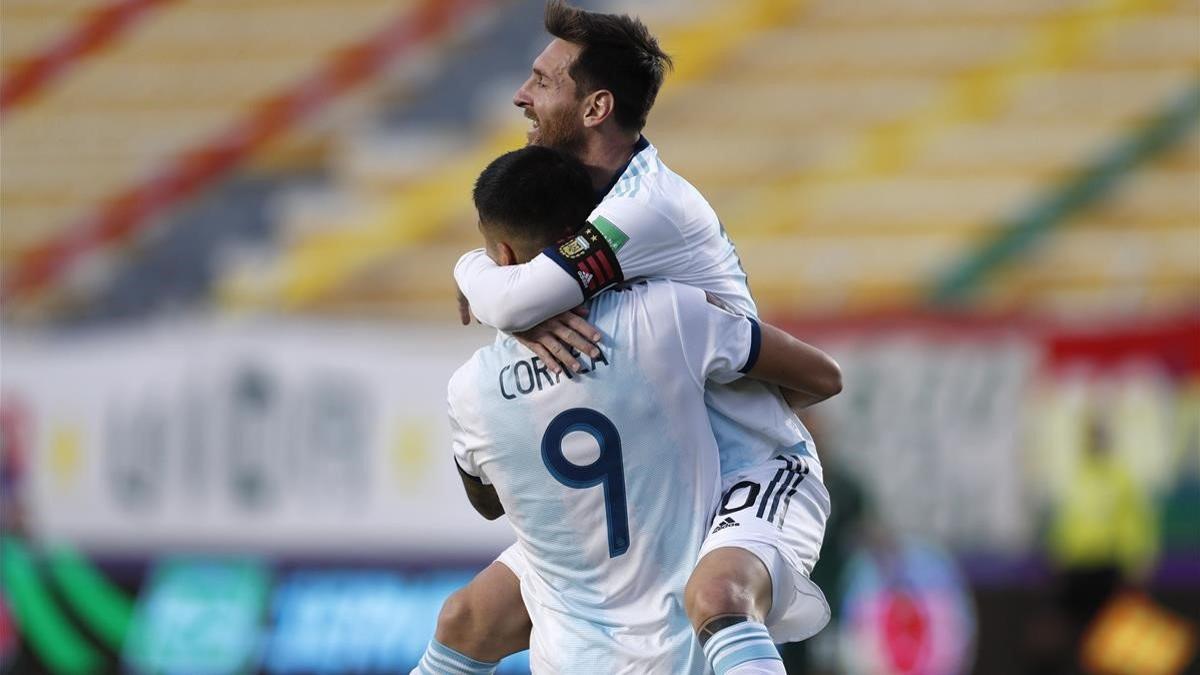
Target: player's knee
{"points": [[455, 623], [710, 597]]}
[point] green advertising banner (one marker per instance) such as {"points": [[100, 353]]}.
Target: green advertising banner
{"points": [[199, 617]]}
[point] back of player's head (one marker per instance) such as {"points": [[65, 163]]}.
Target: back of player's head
{"points": [[535, 196], [619, 54]]}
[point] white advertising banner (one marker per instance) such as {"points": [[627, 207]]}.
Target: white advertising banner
{"points": [[331, 438], [280, 437]]}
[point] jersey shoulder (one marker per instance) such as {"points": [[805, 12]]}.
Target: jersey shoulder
{"points": [[642, 173], [646, 301], [458, 387], [463, 386], [650, 198], [649, 181]]}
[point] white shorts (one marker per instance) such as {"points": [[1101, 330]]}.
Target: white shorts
{"points": [[668, 647], [777, 510]]}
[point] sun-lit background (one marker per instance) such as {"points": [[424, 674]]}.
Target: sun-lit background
{"points": [[226, 235]]}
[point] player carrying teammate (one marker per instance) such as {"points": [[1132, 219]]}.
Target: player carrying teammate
{"points": [[590, 92], [609, 534]]}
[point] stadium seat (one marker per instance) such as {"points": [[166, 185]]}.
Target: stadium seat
{"points": [[186, 71]]}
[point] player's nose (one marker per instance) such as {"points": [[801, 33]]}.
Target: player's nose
{"points": [[521, 97]]}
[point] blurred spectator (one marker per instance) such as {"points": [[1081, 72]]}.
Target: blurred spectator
{"points": [[1104, 530], [1102, 536]]}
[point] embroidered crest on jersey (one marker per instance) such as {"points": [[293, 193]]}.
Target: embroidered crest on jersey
{"points": [[589, 258], [573, 249]]}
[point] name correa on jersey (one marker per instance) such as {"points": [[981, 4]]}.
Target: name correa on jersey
{"points": [[530, 375]]}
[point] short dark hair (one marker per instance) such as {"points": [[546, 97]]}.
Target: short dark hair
{"points": [[619, 54], [536, 194]]}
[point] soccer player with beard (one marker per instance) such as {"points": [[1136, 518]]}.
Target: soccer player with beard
{"points": [[607, 544], [589, 94]]}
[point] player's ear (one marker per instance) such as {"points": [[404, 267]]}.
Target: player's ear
{"points": [[505, 255], [597, 107]]}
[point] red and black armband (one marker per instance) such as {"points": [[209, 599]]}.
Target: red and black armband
{"points": [[589, 258]]}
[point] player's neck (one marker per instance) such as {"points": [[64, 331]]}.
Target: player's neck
{"points": [[607, 153]]}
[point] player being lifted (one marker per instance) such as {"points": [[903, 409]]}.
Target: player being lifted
{"points": [[608, 535], [589, 94]]}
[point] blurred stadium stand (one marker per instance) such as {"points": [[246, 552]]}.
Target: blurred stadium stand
{"points": [[989, 211], [909, 129], [183, 98], [976, 111], [885, 142]]}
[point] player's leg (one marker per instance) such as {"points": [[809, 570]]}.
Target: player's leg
{"points": [[728, 598], [751, 586], [486, 618], [478, 625]]}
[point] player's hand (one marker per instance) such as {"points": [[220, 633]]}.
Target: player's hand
{"points": [[553, 339], [464, 309]]}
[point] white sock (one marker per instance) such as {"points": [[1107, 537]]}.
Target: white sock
{"points": [[742, 649], [442, 660]]}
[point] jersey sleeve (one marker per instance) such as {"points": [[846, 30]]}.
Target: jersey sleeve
{"points": [[624, 239], [465, 440], [515, 297], [719, 344]]}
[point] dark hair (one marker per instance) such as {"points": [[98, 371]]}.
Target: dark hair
{"points": [[619, 54], [536, 194]]}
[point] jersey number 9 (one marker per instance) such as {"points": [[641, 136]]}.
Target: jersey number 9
{"points": [[608, 469]]}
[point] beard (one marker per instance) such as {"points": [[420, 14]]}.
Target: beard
{"points": [[560, 131]]}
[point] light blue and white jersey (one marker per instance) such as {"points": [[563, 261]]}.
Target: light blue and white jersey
{"points": [[656, 225], [659, 225], [610, 476], [663, 227]]}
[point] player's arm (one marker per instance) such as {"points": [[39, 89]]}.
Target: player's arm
{"points": [[482, 496], [722, 345], [806, 374], [514, 298], [622, 239], [466, 441], [510, 297]]}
